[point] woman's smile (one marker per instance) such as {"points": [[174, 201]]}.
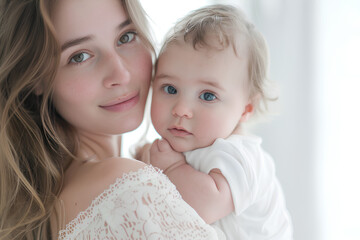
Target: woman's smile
{"points": [[122, 103]]}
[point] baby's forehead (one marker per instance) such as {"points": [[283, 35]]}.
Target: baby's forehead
{"points": [[203, 61], [238, 43]]}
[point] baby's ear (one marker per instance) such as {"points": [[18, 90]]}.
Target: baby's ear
{"points": [[250, 108], [248, 111]]}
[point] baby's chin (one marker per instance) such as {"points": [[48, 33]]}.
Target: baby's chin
{"points": [[181, 147]]}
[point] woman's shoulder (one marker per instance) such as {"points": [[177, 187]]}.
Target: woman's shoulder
{"points": [[115, 167], [123, 207], [84, 183]]}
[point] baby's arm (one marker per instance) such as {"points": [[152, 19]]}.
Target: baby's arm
{"points": [[209, 194]]}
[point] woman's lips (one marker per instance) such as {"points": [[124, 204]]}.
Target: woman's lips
{"points": [[122, 103]]}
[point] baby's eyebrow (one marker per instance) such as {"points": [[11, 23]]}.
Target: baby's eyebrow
{"points": [[165, 76], [162, 75], [212, 83]]}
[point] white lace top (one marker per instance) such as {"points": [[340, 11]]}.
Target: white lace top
{"points": [[140, 205]]}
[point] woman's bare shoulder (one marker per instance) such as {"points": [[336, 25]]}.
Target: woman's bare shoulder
{"points": [[115, 168], [86, 182]]}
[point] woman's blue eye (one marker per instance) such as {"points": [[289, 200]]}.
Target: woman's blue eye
{"points": [[126, 38], [170, 90], [80, 57], [207, 96]]}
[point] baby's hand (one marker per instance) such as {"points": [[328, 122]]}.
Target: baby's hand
{"points": [[143, 153], [164, 157]]}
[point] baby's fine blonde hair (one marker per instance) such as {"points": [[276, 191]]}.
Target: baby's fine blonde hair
{"points": [[229, 25]]}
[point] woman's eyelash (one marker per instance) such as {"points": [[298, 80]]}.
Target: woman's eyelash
{"points": [[79, 58], [127, 37], [82, 57]]}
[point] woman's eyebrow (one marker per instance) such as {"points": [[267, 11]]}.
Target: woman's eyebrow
{"points": [[74, 42], [79, 40], [124, 24]]}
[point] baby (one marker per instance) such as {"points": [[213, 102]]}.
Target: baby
{"points": [[210, 79]]}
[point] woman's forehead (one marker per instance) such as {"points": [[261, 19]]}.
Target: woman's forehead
{"points": [[85, 17]]}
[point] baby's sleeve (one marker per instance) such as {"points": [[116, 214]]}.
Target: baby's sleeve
{"points": [[234, 164]]}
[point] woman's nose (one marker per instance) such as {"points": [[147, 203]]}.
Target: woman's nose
{"points": [[181, 109], [117, 72]]}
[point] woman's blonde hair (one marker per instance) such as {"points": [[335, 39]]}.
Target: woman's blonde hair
{"points": [[36, 144], [229, 26]]}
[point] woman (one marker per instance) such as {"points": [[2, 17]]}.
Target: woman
{"points": [[74, 75]]}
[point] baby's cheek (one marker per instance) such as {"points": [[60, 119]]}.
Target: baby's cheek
{"points": [[157, 116], [211, 130]]}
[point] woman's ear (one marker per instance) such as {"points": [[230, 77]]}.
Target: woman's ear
{"points": [[39, 90]]}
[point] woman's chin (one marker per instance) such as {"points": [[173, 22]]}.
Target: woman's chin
{"points": [[133, 125]]}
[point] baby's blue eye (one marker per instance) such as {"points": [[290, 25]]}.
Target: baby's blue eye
{"points": [[126, 38], [80, 57], [170, 90], [207, 96]]}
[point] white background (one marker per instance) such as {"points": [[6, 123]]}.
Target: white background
{"points": [[314, 135]]}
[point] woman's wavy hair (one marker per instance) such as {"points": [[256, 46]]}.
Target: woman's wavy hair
{"points": [[36, 144], [231, 28]]}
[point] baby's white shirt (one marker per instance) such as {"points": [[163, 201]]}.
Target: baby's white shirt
{"points": [[260, 209]]}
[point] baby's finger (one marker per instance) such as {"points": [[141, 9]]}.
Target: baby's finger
{"points": [[154, 147]]}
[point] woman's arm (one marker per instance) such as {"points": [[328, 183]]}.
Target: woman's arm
{"points": [[209, 194]]}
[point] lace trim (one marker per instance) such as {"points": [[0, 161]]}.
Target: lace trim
{"points": [[86, 216]]}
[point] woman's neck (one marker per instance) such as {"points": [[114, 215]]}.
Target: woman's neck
{"points": [[95, 147]]}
